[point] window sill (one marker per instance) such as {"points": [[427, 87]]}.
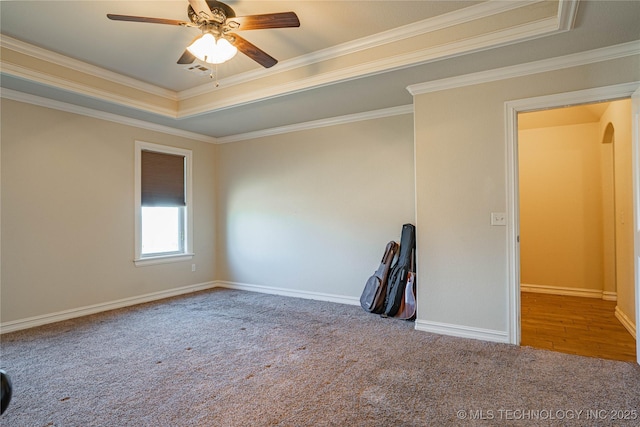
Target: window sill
{"points": [[164, 259]]}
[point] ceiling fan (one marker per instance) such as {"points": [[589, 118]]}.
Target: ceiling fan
{"points": [[217, 21]]}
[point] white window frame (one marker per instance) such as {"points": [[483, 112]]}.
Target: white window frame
{"points": [[188, 254]]}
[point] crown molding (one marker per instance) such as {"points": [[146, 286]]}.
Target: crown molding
{"points": [[552, 64], [96, 114], [567, 12], [458, 17], [83, 89], [500, 38], [88, 112], [475, 12], [83, 67], [332, 121]]}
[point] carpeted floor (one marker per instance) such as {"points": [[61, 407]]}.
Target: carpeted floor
{"points": [[233, 358]]}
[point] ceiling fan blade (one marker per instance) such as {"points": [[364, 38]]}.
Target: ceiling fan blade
{"points": [[254, 52], [268, 20], [146, 19], [201, 8], [186, 58]]}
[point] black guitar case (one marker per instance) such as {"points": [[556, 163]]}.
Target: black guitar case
{"points": [[375, 290], [399, 273]]}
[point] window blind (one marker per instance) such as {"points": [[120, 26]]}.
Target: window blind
{"points": [[162, 179]]}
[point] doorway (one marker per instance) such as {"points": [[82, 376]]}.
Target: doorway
{"points": [[625, 214], [571, 228]]}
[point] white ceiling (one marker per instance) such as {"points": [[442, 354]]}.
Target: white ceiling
{"points": [[347, 57]]}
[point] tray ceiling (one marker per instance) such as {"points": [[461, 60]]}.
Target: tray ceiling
{"points": [[347, 57]]}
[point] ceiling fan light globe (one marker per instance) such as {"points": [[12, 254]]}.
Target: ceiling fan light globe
{"points": [[226, 50], [206, 48]]}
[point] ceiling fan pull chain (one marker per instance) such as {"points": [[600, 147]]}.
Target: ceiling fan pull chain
{"points": [[211, 74]]}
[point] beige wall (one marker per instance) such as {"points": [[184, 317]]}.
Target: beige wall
{"points": [[308, 211], [564, 170], [312, 211], [461, 178], [561, 208], [619, 115], [68, 213]]}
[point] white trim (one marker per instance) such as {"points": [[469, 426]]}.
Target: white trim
{"points": [[29, 74], [544, 27], [567, 12], [626, 322], [498, 38], [462, 331], [84, 111], [458, 17], [429, 25], [598, 94], [30, 322], [512, 108], [165, 259], [333, 121], [319, 296], [565, 291], [96, 114], [424, 56], [635, 168], [139, 260], [83, 67], [513, 223], [535, 67]]}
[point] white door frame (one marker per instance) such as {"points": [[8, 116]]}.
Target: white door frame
{"points": [[635, 147], [512, 108]]}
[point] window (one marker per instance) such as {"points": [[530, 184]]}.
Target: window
{"points": [[163, 204]]}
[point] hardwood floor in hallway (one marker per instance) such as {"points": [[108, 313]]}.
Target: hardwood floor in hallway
{"points": [[575, 325]]}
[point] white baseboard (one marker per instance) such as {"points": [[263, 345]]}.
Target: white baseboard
{"points": [[30, 322], [16, 325], [572, 292], [462, 331], [341, 299], [421, 325], [626, 322]]}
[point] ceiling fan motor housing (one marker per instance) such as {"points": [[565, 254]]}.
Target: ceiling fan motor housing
{"points": [[219, 13], [218, 20]]}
